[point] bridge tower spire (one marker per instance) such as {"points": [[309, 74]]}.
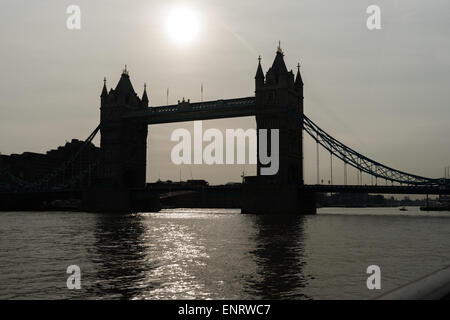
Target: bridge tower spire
{"points": [[104, 95], [259, 78], [299, 81], [144, 100]]}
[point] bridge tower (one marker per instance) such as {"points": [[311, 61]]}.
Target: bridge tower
{"points": [[279, 105], [123, 142]]}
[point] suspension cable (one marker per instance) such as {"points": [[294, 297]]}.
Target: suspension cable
{"points": [[361, 162]]}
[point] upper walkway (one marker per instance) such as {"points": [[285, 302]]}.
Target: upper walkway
{"points": [[187, 111]]}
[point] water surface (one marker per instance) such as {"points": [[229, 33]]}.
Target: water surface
{"points": [[218, 253]]}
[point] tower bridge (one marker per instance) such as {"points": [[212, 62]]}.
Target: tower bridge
{"points": [[277, 105]]}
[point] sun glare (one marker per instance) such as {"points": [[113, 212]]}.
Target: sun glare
{"points": [[182, 25]]}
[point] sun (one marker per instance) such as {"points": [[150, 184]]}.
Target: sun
{"points": [[182, 25]]}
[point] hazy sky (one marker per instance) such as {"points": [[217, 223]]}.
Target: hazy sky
{"points": [[386, 93]]}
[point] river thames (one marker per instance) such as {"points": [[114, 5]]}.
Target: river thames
{"points": [[218, 253]]}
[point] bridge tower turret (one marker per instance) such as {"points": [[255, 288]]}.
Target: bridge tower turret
{"points": [[279, 105], [104, 95], [144, 100], [299, 82], [259, 78], [123, 141]]}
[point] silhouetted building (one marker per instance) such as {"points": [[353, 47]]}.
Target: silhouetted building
{"points": [[30, 167]]}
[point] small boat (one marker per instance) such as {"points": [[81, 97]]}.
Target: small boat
{"points": [[403, 209]]}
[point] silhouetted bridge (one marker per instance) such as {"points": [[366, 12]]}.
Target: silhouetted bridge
{"points": [[175, 190], [48, 188], [187, 111], [277, 104]]}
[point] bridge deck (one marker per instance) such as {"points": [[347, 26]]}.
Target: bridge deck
{"points": [[186, 111], [431, 190]]}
